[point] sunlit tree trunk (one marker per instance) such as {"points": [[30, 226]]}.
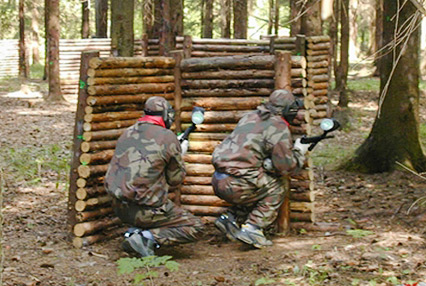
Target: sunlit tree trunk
{"points": [[46, 40], [311, 24], [35, 32], [23, 67], [85, 27], [225, 18], [296, 8], [53, 34], [395, 133], [207, 21], [271, 16], [176, 10], [277, 17], [240, 19], [122, 36], [101, 10]]}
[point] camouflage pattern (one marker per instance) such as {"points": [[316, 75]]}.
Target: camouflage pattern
{"points": [[251, 189], [168, 224], [148, 160]]}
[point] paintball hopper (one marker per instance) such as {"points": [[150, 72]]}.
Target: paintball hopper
{"points": [[327, 125], [196, 118]]}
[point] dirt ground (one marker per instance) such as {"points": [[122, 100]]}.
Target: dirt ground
{"points": [[379, 240]]}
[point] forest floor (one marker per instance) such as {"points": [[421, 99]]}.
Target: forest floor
{"points": [[379, 240]]}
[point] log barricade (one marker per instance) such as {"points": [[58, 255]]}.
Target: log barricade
{"points": [[9, 58], [114, 91]]}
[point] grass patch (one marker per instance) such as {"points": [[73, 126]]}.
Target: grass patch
{"points": [[364, 84], [331, 156], [37, 71], [9, 84], [30, 165]]}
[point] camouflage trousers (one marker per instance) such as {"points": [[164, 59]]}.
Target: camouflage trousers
{"points": [[255, 202], [169, 224]]}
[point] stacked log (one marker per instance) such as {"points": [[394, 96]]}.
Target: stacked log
{"points": [[115, 92], [9, 58], [227, 88]]}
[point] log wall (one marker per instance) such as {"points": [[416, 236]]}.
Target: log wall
{"points": [[9, 58], [111, 98]]}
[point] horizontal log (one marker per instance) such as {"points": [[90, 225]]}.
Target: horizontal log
{"points": [[109, 234], [87, 171], [318, 58], [319, 92], [114, 108], [112, 116], [317, 71], [199, 169], [307, 217], [203, 200], [198, 158], [130, 88], [197, 180], [205, 54], [302, 185], [315, 65], [84, 193], [317, 52], [317, 114], [85, 228], [122, 99], [89, 182], [205, 210], [229, 74], [91, 81], [305, 196], [318, 39], [95, 126], [230, 48], [217, 116], [203, 146], [213, 127], [97, 145], [320, 85], [318, 78], [204, 136], [231, 103], [81, 205], [319, 46], [305, 174], [218, 92], [197, 190], [242, 62], [306, 207], [226, 84], [133, 62], [128, 72], [100, 157], [103, 134], [88, 215]]}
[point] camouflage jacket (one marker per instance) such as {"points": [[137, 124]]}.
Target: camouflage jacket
{"points": [[146, 161], [258, 135]]}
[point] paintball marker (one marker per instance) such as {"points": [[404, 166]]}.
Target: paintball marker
{"points": [[327, 125], [196, 118]]}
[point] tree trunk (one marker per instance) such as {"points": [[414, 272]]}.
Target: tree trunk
{"points": [[395, 134], [378, 36], [122, 37], [46, 40], [311, 24], [240, 19], [148, 17], [53, 36], [296, 8], [342, 70], [225, 19], [85, 26], [167, 39], [177, 17], [23, 67], [35, 31], [157, 19], [277, 17], [101, 7], [207, 19], [271, 17]]}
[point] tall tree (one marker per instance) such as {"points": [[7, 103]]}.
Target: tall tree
{"points": [[311, 24], [378, 36], [101, 11], [296, 10], [85, 23], [176, 10], [395, 133], [122, 36], [23, 67], [240, 19], [148, 17], [167, 40], [341, 69], [273, 21], [225, 18], [207, 19], [53, 35], [35, 31], [156, 29]]}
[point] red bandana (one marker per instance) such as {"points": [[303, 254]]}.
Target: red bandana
{"points": [[157, 120]]}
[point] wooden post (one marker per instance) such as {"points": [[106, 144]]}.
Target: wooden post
{"points": [[301, 45], [144, 45], [187, 46], [272, 45], [78, 133], [283, 81]]}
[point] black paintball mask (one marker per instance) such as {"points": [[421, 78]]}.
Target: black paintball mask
{"points": [[166, 110], [289, 112]]}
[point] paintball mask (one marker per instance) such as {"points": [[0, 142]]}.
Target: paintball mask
{"points": [[158, 106], [289, 112]]}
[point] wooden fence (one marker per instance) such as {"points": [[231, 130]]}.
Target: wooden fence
{"points": [[9, 58], [113, 97]]}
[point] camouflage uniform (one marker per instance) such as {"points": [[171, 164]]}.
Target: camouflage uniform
{"points": [[240, 178], [147, 160]]}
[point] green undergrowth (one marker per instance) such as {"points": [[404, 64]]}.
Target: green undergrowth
{"points": [[28, 165]]}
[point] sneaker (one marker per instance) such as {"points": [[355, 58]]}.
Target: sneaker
{"points": [[253, 236], [137, 243], [226, 224]]}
